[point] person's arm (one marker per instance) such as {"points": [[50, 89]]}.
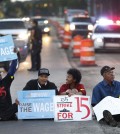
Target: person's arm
{"points": [[56, 90], [82, 90], [96, 96], [7, 80], [62, 91], [32, 34], [13, 67], [27, 86]]}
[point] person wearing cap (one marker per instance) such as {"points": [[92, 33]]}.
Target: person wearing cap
{"points": [[107, 87], [72, 85], [42, 82], [7, 109]]}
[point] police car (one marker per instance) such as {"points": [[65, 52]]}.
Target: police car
{"points": [[106, 35]]}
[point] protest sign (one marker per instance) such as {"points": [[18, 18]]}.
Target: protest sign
{"points": [[108, 103], [74, 108], [6, 48], [36, 104]]}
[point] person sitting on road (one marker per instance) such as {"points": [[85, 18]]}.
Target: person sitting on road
{"points": [[7, 109], [72, 85], [107, 87], [42, 82]]}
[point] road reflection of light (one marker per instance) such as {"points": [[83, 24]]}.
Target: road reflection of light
{"points": [[26, 63], [46, 40]]}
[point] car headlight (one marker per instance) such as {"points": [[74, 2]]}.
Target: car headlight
{"points": [[23, 36], [72, 27], [46, 22], [46, 29], [99, 40], [90, 27]]}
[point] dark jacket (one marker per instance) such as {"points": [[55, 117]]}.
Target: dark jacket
{"points": [[5, 96], [37, 42], [33, 85]]}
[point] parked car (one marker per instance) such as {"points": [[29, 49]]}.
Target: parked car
{"points": [[21, 37], [106, 36], [44, 24]]}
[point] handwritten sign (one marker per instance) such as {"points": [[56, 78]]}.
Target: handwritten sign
{"points": [[6, 48], [74, 108], [36, 104], [108, 103]]}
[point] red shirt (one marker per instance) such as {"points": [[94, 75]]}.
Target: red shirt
{"points": [[79, 87]]}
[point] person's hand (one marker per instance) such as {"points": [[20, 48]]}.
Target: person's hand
{"points": [[17, 102], [74, 91], [15, 50], [68, 91], [70, 94]]}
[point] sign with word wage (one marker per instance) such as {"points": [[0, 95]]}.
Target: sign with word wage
{"points": [[6, 48], [36, 104], [74, 108]]}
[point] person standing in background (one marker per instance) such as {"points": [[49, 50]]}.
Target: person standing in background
{"points": [[36, 40]]}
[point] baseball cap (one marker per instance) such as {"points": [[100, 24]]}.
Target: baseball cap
{"points": [[43, 71], [106, 69]]}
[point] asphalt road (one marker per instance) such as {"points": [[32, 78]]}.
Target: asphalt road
{"points": [[59, 61]]}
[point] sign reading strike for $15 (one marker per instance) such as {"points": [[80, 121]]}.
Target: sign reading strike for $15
{"points": [[75, 108]]}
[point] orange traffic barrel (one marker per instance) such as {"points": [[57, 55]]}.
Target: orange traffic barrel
{"points": [[76, 45], [66, 39], [87, 54], [61, 32]]}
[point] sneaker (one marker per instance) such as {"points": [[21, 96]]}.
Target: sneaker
{"points": [[109, 118]]}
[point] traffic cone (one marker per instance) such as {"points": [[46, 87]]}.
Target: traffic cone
{"points": [[87, 54], [61, 32], [76, 45], [66, 39]]}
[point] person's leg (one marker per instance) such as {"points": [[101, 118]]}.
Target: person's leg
{"points": [[109, 119], [38, 65], [9, 114], [117, 117], [33, 59]]}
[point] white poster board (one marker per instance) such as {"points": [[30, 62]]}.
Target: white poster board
{"points": [[108, 103], [74, 108]]}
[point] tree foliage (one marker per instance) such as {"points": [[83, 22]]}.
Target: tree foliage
{"points": [[38, 7]]}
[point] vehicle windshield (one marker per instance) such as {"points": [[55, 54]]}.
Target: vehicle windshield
{"points": [[12, 25], [107, 29], [80, 19]]}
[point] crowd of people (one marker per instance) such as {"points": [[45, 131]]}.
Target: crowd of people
{"points": [[107, 87]]}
